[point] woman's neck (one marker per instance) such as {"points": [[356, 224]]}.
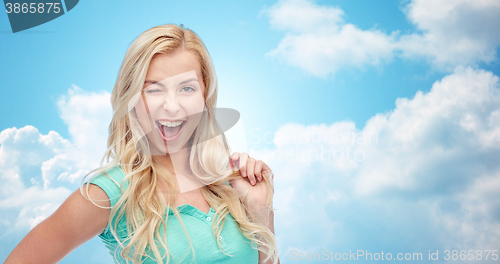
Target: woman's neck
{"points": [[178, 165], [177, 162]]}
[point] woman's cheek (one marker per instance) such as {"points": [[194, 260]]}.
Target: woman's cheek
{"points": [[142, 115], [193, 105]]}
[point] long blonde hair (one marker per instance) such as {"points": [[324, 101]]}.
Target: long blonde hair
{"points": [[140, 202]]}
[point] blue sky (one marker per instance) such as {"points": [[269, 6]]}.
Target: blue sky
{"points": [[419, 76]]}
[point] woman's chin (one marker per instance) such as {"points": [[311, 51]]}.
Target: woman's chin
{"points": [[169, 148]]}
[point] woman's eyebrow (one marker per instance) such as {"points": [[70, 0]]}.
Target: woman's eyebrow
{"points": [[154, 82], [181, 83], [188, 80]]}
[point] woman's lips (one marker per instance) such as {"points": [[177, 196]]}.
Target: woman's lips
{"points": [[161, 129]]}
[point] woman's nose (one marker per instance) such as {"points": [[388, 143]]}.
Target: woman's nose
{"points": [[171, 104]]}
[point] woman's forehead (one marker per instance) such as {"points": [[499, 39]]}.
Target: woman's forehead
{"points": [[163, 66], [166, 66]]}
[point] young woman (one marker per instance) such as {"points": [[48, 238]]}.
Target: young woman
{"points": [[168, 193]]}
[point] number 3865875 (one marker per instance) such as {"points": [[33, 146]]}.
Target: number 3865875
{"points": [[32, 8]]}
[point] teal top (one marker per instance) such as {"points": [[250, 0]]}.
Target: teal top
{"points": [[198, 225]]}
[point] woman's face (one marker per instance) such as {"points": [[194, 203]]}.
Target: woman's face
{"points": [[171, 102]]}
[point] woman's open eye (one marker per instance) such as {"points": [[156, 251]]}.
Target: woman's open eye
{"points": [[187, 89]]}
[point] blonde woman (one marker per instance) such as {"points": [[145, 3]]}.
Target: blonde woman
{"points": [[167, 192]]}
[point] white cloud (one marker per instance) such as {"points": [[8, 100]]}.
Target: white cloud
{"points": [[302, 16], [449, 33], [451, 122], [425, 174], [320, 42], [32, 205], [39, 171], [87, 116], [453, 32]]}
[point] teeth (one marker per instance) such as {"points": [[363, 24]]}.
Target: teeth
{"points": [[170, 124]]}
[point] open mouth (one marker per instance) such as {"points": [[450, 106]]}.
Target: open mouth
{"points": [[170, 130]]}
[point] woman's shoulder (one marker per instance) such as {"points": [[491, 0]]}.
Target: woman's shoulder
{"points": [[111, 181], [112, 176]]}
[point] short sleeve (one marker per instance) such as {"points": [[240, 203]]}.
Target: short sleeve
{"points": [[110, 181]]}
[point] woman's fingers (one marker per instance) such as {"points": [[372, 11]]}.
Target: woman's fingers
{"points": [[250, 168], [243, 158], [235, 156], [258, 170], [233, 161]]}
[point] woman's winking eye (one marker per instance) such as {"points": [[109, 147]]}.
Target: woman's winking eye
{"points": [[153, 89]]}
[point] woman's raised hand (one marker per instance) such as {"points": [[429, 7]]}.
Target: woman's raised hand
{"points": [[250, 185], [249, 167]]}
